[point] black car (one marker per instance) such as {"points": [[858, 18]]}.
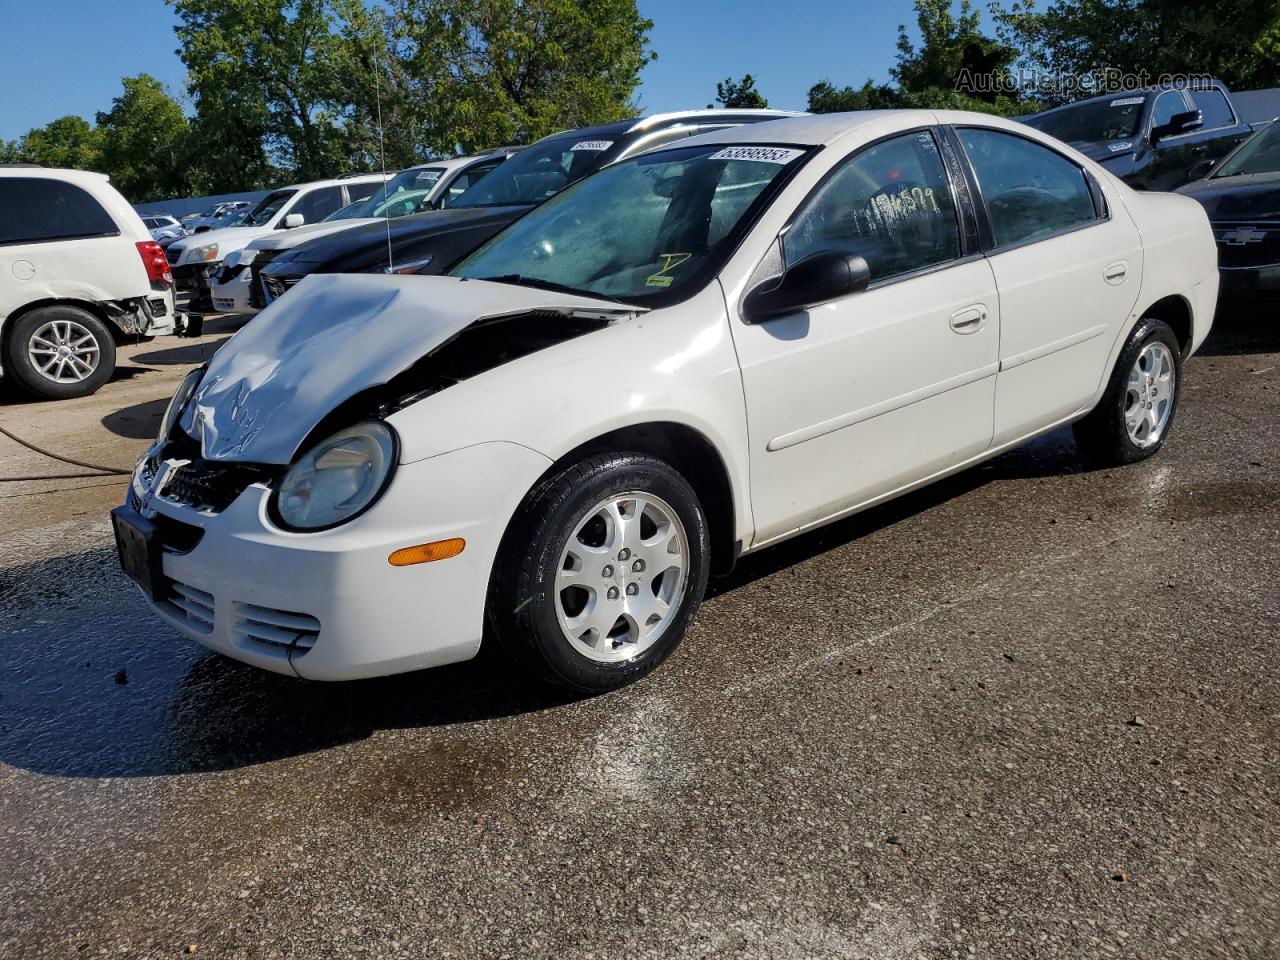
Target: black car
{"points": [[432, 242], [1155, 139], [1242, 197]]}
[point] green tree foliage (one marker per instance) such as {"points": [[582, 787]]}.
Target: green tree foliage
{"points": [[1237, 41], [264, 79], [69, 141], [740, 94], [952, 51], [146, 142], [509, 71]]}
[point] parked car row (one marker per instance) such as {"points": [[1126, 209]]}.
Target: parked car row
{"points": [[648, 349]]}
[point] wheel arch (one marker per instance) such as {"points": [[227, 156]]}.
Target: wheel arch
{"points": [[1176, 311], [690, 453]]}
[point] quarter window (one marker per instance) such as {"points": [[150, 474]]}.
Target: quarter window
{"points": [[890, 204], [36, 209], [1030, 191]]}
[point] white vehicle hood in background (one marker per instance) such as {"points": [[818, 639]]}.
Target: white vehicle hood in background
{"points": [[228, 239], [334, 336], [287, 239]]}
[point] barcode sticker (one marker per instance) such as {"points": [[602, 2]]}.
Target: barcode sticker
{"points": [[592, 145], [1126, 101], [761, 154]]}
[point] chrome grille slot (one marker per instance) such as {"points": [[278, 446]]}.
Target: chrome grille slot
{"points": [[278, 628], [191, 605]]}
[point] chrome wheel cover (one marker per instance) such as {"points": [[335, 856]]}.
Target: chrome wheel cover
{"points": [[1148, 400], [622, 576], [63, 351]]}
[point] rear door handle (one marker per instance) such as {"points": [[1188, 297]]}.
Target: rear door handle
{"points": [[970, 319], [1116, 273]]}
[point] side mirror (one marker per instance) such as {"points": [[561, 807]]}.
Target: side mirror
{"points": [[1178, 123], [292, 220], [818, 278]]}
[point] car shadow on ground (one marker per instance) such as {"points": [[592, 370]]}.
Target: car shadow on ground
{"points": [[181, 709], [1237, 333], [190, 353], [141, 421]]}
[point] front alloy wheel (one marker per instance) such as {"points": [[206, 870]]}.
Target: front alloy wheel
{"points": [[601, 571], [622, 576]]}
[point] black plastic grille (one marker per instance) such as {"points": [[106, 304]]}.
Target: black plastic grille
{"points": [[263, 258], [279, 286], [202, 484]]}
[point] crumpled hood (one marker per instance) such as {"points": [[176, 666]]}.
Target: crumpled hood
{"points": [[332, 337]]}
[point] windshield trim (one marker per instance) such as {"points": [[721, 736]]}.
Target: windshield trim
{"points": [[729, 246]]}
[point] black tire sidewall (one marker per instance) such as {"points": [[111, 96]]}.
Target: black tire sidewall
{"points": [[1102, 437], [19, 365], [555, 515], [1147, 331]]}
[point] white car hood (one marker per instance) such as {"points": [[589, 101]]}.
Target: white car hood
{"points": [[228, 239], [287, 239], [334, 336]]}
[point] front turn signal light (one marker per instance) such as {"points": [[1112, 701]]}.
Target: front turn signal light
{"points": [[427, 552]]}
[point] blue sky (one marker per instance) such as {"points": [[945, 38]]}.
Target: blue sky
{"points": [[68, 56]]}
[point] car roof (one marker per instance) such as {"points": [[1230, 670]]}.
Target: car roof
{"points": [[661, 121], [53, 173], [810, 129], [333, 181]]}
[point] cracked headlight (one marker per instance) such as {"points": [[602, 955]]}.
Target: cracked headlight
{"points": [[178, 403], [337, 479]]}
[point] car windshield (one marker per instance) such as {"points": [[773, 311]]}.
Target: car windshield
{"points": [[233, 219], [536, 173], [402, 194], [267, 208], [650, 226], [1093, 122], [1259, 154]]}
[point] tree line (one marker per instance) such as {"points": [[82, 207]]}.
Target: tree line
{"points": [[302, 89]]}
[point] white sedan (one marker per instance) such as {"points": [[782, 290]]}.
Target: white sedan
{"points": [[690, 355]]}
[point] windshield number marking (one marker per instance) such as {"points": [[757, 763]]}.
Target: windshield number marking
{"points": [[592, 145], [760, 154]]}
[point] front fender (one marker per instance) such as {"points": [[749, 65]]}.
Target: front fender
{"points": [[673, 365]]}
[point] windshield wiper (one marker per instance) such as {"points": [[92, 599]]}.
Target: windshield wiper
{"points": [[520, 280]]}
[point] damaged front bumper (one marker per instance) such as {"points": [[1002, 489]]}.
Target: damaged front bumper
{"points": [[329, 605]]}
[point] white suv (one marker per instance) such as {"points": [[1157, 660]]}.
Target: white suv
{"points": [[78, 269], [428, 186], [197, 258]]}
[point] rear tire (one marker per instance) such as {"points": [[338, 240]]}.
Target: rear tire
{"points": [[1133, 418], [60, 352], [601, 572]]}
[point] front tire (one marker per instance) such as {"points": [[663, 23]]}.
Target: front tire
{"points": [[1132, 420], [60, 352], [601, 572]]}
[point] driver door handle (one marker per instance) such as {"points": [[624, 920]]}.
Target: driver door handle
{"points": [[970, 319]]}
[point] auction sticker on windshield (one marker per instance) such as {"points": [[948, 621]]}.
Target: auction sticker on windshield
{"points": [[592, 145], [1126, 101], [762, 154]]}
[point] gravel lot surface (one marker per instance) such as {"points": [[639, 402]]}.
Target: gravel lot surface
{"points": [[1029, 712]]}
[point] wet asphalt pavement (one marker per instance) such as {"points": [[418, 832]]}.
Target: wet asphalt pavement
{"points": [[1029, 712]]}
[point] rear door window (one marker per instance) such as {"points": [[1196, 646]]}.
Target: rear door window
{"points": [[37, 209], [1030, 191], [1214, 108]]}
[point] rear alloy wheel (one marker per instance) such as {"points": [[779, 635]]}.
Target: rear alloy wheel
{"points": [[601, 571], [1133, 417], [60, 352]]}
